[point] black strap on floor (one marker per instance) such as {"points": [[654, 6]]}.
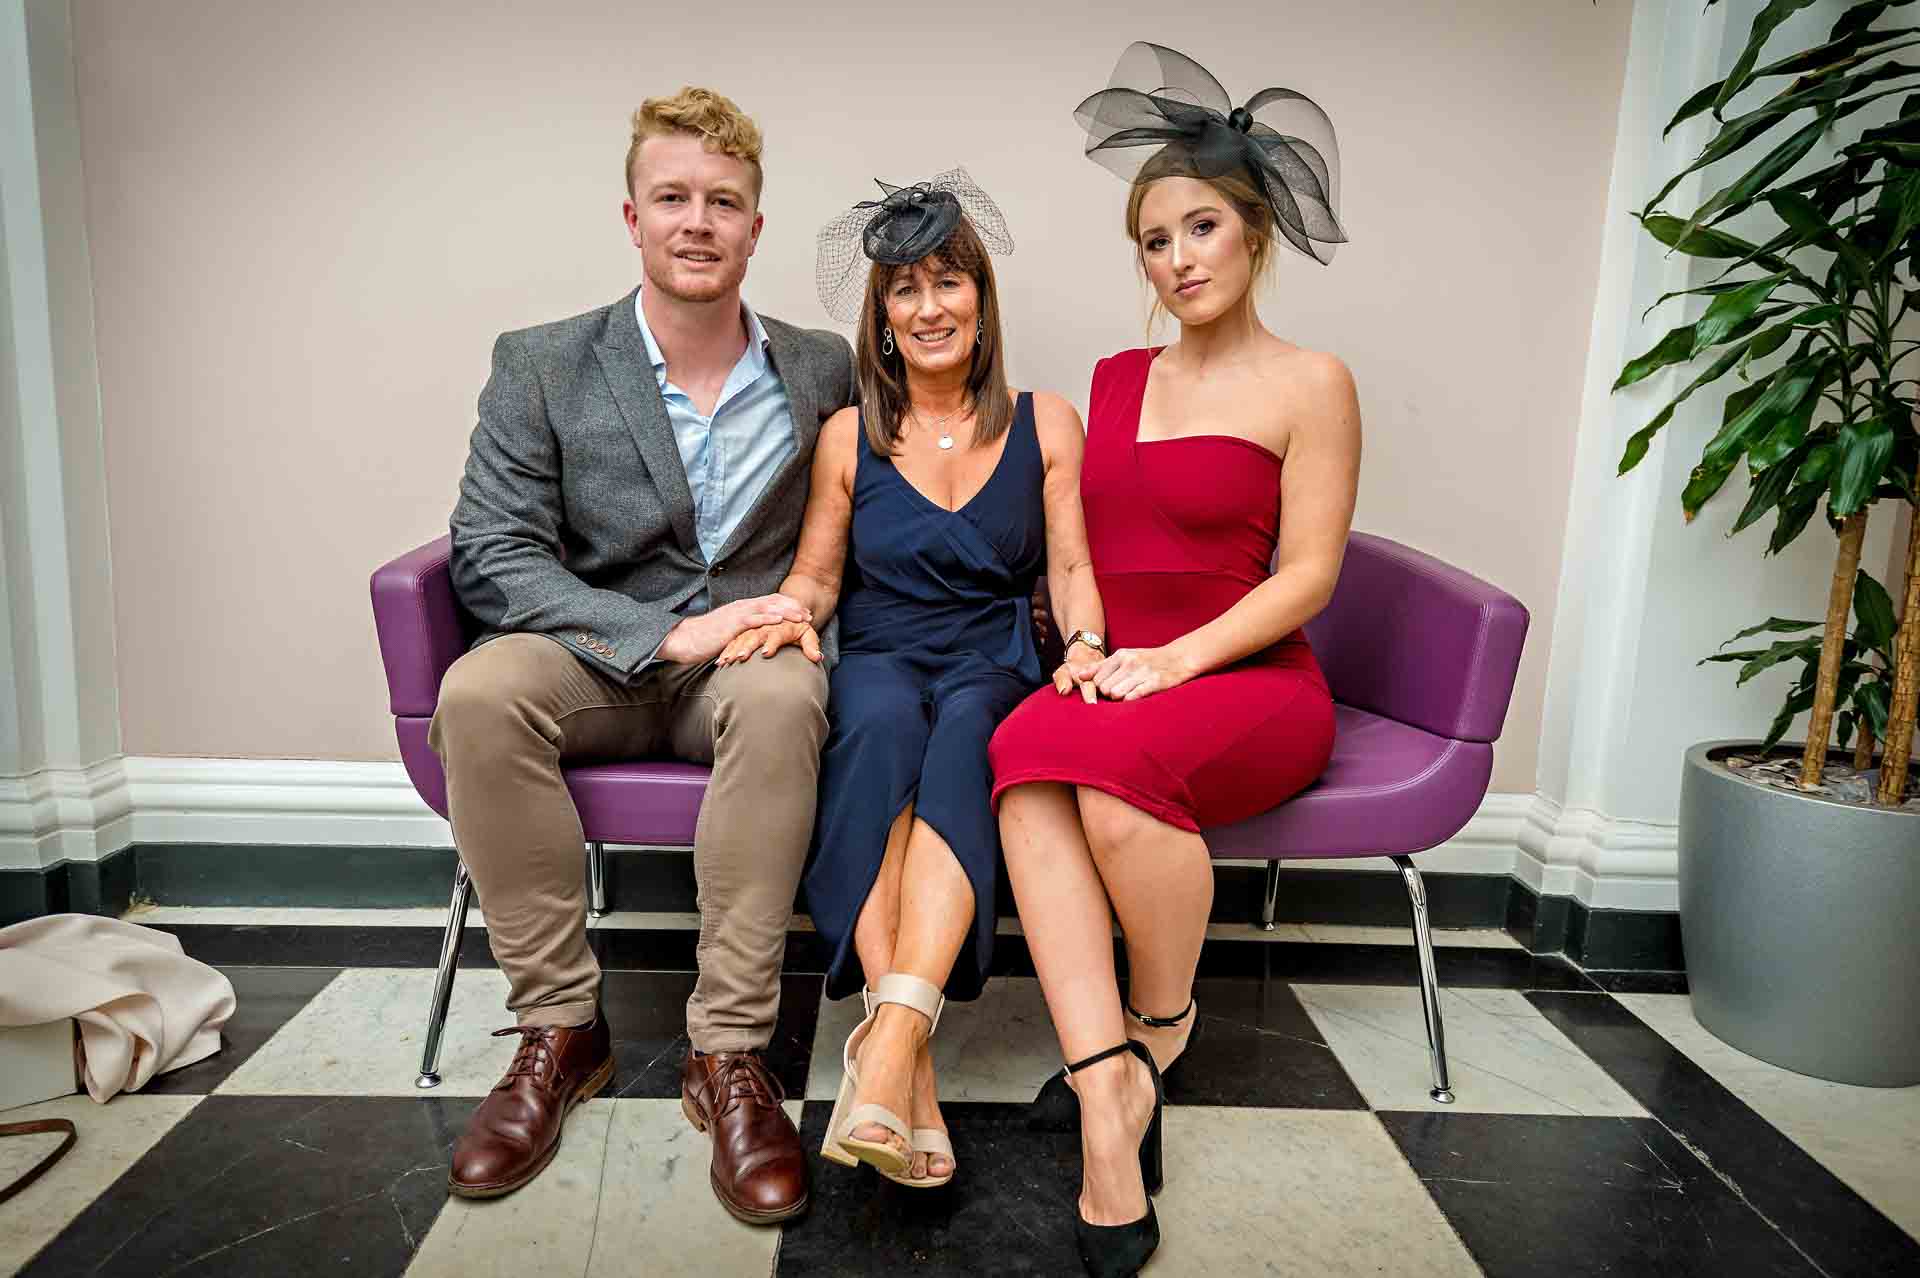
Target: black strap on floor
{"points": [[39, 1169]]}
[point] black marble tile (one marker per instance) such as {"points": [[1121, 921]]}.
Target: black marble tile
{"points": [[265, 998], [1323, 963], [1837, 1229], [1257, 1046], [1570, 1196], [1008, 1211], [323, 945], [1627, 981], [647, 1013], [281, 1185], [633, 949]]}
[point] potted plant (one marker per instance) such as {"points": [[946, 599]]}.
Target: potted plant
{"points": [[1800, 870]]}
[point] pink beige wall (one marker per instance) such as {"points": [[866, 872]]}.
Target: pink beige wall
{"points": [[308, 222]]}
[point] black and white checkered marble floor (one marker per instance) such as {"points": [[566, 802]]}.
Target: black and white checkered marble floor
{"points": [[1598, 1130]]}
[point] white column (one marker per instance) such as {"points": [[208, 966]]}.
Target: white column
{"points": [[1643, 596], [61, 791]]}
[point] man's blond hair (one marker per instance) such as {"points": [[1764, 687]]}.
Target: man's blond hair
{"points": [[720, 125]]}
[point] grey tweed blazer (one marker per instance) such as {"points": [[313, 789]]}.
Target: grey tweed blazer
{"points": [[575, 520]]}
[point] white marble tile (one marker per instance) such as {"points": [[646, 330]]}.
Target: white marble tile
{"points": [[113, 1136], [1000, 1047], [1294, 1191], [298, 916], [1867, 1136], [547, 1226], [362, 1036], [1503, 1056], [628, 1192], [1443, 938]]}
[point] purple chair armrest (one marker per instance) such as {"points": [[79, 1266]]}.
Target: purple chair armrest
{"points": [[420, 625], [1418, 640]]}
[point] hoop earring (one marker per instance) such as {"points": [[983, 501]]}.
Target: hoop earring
{"points": [[979, 329], [886, 343]]}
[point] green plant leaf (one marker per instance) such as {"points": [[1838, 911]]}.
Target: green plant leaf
{"points": [[1704, 481], [1855, 21], [1750, 415], [1748, 187], [1843, 728], [1778, 653], [1675, 348], [1730, 310], [1770, 452], [1774, 626], [1865, 448], [1874, 701], [1796, 509], [1776, 12], [1703, 241], [1873, 611], [1798, 702], [1907, 187], [1819, 464], [1763, 495]]}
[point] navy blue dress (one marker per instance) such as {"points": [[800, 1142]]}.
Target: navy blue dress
{"points": [[936, 647]]}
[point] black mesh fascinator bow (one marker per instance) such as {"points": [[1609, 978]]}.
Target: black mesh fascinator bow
{"points": [[1163, 108], [907, 224]]}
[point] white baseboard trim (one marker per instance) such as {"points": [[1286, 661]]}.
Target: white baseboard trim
{"points": [[1605, 863], [86, 814], [63, 814], [318, 802]]}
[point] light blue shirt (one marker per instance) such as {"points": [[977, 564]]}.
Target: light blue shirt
{"points": [[733, 455]]}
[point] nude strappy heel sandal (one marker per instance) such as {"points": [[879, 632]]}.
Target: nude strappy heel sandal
{"points": [[840, 1146]]}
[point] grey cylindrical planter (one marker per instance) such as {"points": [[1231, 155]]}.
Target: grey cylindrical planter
{"points": [[1801, 922]]}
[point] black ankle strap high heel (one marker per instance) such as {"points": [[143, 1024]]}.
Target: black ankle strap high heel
{"points": [[1117, 1251], [1056, 1109]]}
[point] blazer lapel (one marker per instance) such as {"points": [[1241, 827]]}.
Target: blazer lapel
{"points": [[629, 374]]}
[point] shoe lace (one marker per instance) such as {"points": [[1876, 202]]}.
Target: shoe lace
{"points": [[535, 1058], [740, 1078]]}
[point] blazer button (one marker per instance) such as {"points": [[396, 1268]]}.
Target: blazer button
{"points": [[718, 569]]}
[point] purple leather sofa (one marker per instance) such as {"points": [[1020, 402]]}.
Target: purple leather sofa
{"points": [[1420, 656]]}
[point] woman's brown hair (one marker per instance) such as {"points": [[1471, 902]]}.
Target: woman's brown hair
{"points": [[882, 378], [1241, 195]]}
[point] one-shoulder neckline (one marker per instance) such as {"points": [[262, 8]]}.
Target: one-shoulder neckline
{"points": [[1021, 408], [1139, 413]]}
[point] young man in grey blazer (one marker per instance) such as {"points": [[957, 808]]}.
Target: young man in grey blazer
{"points": [[631, 502]]}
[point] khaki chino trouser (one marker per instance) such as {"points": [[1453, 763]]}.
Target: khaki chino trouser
{"points": [[513, 710]]}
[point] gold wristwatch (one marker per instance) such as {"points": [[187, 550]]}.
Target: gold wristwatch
{"points": [[1087, 637]]}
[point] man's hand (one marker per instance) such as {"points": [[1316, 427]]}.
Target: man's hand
{"points": [[698, 639], [768, 640]]}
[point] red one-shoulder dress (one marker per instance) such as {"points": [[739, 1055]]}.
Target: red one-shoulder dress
{"points": [[1181, 530]]}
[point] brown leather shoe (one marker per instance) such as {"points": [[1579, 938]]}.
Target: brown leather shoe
{"points": [[516, 1131], [759, 1170]]}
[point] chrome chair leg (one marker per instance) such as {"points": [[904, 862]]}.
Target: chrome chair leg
{"points": [[1429, 982], [596, 880], [443, 981], [1271, 903]]}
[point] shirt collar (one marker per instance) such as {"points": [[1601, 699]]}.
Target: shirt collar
{"points": [[757, 339]]}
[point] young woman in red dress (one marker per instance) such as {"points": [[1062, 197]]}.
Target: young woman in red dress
{"points": [[1218, 486]]}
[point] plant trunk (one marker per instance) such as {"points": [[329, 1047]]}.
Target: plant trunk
{"points": [[1906, 679], [1813, 763], [1863, 749]]}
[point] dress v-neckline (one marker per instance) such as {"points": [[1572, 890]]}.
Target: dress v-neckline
{"points": [[1006, 443]]}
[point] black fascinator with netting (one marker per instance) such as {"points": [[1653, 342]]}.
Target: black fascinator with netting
{"points": [[905, 225], [1163, 108]]}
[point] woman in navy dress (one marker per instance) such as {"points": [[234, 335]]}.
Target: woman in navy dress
{"points": [[934, 508]]}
